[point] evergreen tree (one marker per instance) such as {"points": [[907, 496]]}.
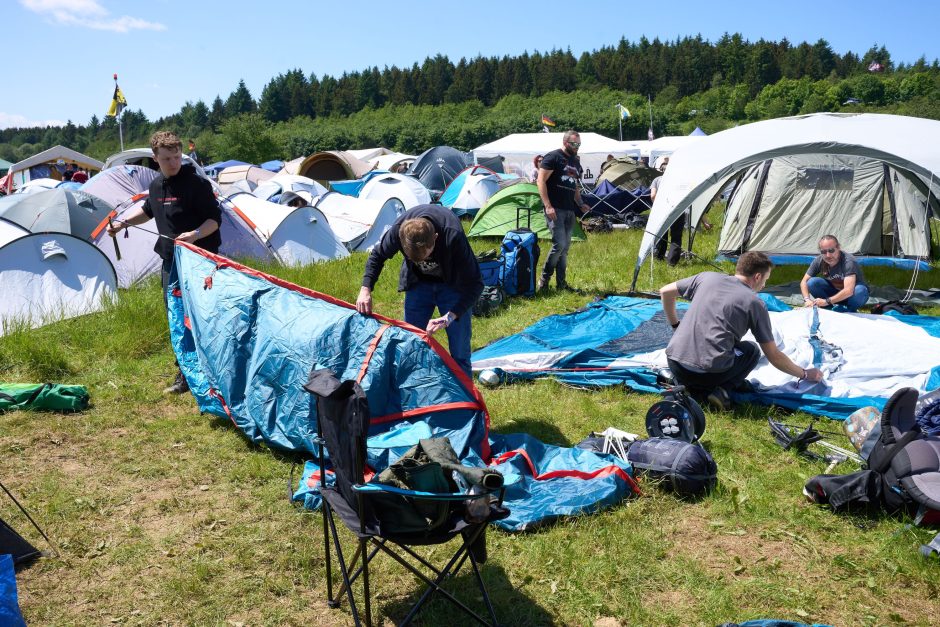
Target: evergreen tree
{"points": [[239, 101]]}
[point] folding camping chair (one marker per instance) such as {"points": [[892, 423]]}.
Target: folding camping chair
{"points": [[342, 425]]}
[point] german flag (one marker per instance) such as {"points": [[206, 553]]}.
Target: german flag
{"points": [[547, 121]]}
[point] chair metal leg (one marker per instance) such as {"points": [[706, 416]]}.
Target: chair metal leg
{"points": [[347, 581], [326, 550], [363, 542], [434, 586]]}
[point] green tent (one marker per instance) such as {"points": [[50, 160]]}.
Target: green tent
{"points": [[516, 206], [4, 166], [628, 173]]}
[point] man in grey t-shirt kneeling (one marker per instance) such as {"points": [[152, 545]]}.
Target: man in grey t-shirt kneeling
{"points": [[706, 353]]}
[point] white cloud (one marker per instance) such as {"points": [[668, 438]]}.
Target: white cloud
{"points": [[13, 120], [87, 14]]}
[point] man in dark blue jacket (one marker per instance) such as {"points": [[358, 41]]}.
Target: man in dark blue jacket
{"points": [[440, 270]]}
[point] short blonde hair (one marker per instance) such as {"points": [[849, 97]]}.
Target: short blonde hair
{"points": [[417, 237], [165, 139]]}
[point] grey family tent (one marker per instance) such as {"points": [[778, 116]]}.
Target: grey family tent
{"points": [[144, 157], [516, 206], [438, 166], [272, 188], [48, 277], [833, 175], [406, 189], [782, 205]]}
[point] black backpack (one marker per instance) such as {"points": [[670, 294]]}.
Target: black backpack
{"points": [[898, 306], [520, 251]]}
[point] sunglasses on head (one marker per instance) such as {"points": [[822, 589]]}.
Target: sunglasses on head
{"points": [[828, 251]]}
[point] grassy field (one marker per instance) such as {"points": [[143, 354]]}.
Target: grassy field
{"points": [[166, 517]]}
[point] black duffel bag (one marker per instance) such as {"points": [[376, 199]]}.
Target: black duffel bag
{"points": [[684, 468]]}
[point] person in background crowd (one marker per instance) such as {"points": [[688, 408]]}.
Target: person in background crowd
{"points": [[559, 188]]}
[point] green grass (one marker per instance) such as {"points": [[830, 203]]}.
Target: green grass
{"points": [[164, 516]]}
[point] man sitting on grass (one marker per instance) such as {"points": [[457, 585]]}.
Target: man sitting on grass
{"points": [[706, 353], [842, 282]]}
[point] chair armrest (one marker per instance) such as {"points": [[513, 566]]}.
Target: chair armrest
{"points": [[417, 494]]}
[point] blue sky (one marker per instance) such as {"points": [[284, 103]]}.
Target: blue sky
{"points": [[61, 54]]}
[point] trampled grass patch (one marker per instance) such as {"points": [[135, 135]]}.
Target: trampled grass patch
{"points": [[166, 517]]}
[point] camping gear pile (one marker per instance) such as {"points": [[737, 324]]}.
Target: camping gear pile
{"points": [[903, 465], [672, 456]]}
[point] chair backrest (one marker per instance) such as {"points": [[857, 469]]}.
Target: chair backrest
{"points": [[343, 423]]}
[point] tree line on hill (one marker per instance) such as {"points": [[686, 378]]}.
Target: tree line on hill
{"points": [[687, 83]]}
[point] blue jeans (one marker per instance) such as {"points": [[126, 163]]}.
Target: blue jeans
{"points": [[420, 302], [821, 288], [557, 261]]}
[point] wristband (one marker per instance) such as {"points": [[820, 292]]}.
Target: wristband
{"points": [[198, 233], [829, 301], [450, 317], [676, 325], [803, 378]]}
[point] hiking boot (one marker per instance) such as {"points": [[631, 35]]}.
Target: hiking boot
{"points": [[542, 285], [180, 385], [719, 399]]}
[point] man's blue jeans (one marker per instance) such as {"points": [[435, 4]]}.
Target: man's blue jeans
{"points": [[821, 288], [556, 263], [420, 302]]}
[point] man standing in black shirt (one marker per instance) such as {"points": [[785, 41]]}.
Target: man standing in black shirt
{"points": [[559, 187], [184, 208]]}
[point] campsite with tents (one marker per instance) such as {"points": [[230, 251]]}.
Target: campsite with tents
{"points": [[229, 504]]}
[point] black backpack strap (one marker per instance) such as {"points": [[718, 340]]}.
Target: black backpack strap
{"points": [[885, 461]]}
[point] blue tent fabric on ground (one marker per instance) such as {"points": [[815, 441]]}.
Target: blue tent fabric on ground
{"points": [[10, 615], [613, 341], [247, 342]]}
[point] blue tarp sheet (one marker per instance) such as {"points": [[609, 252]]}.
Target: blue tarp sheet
{"points": [[248, 341]]}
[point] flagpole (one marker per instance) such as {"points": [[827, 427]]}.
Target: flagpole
{"points": [[119, 116], [620, 120], [650, 100]]}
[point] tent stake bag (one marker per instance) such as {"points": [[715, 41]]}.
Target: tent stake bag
{"points": [[520, 262]]}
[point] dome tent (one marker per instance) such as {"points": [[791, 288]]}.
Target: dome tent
{"points": [[700, 171], [49, 277], [296, 235]]}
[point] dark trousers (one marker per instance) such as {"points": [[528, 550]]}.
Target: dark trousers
{"points": [[675, 246], [420, 302], [746, 356], [164, 282]]}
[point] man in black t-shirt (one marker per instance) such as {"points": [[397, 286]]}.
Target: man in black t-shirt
{"points": [[184, 208], [559, 187]]}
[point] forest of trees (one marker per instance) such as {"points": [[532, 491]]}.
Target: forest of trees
{"points": [[690, 82]]}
